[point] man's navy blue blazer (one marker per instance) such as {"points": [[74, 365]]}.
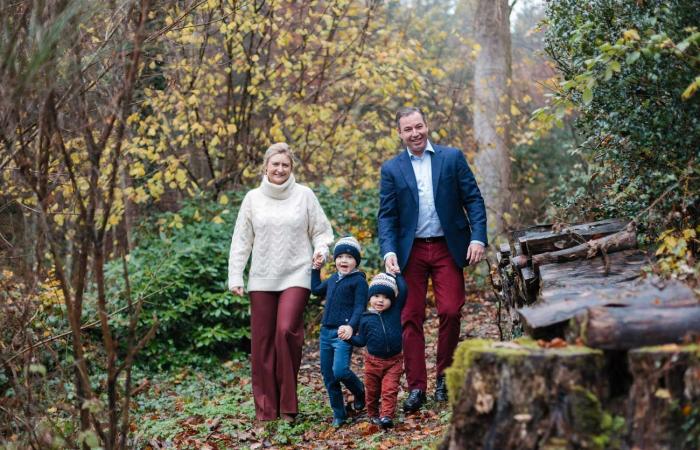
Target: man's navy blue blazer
{"points": [[458, 202]]}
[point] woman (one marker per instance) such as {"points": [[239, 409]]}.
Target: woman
{"points": [[283, 225]]}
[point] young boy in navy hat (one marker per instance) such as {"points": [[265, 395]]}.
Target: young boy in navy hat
{"points": [[380, 331], [346, 293]]}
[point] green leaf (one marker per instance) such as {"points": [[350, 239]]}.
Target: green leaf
{"points": [[587, 96], [632, 57], [89, 438], [38, 368]]}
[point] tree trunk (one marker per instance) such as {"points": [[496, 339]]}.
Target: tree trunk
{"points": [[492, 98], [519, 396]]}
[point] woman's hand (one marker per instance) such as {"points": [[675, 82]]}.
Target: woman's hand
{"points": [[238, 290], [345, 332], [318, 260]]}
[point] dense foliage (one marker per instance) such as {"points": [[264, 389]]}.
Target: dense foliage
{"points": [[630, 67]]}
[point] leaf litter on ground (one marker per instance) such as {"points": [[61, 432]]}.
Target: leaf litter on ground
{"points": [[213, 409]]}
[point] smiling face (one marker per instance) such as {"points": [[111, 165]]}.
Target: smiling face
{"points": [[413, 131], [278, 168], [345, 263], [379, 302]]}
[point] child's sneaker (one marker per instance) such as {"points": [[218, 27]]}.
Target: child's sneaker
{"points": [[337, 423], [386, 422]]}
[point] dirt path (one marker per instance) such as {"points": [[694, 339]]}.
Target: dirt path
{"points": [[417, 430]]}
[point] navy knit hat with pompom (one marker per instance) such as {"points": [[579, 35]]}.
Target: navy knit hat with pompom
{"points": [[384, 283], [348, 245]]}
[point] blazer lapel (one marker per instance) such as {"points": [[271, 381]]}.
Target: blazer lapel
{"points": [[436, 168], [410, 176]]}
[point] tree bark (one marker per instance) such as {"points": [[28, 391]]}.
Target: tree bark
{"points": [[615, 328], [519, 396], [492, 98], [550, 240], [624, 240]]}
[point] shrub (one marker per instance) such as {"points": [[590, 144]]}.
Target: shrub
{"points": [[631, 67], [179, 270]]}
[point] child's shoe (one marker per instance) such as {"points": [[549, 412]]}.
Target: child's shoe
{"points": [[358, 403], [386, 422], [337, 423]]}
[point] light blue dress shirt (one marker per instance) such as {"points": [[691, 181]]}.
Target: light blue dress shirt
{"points": [[428, 220]]}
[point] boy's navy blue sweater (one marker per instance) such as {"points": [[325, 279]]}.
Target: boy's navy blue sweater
{"points": [[345, 297], [381, 331]]}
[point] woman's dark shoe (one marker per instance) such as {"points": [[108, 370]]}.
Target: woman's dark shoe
{"points": [[386, 422], [441, 389], [375, 421], [337, 423], [415, 400], [288, 417]]}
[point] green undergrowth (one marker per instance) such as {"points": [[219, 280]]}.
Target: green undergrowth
{"points": [[198, 403]]}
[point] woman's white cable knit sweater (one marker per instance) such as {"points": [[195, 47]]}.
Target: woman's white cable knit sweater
{"points": [[282, 226]]}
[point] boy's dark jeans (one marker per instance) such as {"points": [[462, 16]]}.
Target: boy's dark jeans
{"points": [[335, 368], [382, 379]]}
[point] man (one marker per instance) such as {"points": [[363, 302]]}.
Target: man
{"points": [[432, 222]]}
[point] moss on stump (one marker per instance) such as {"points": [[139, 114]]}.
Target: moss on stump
{"points": [[515, 395]]}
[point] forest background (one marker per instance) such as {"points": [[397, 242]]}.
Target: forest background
{"points": [[129, 131]]}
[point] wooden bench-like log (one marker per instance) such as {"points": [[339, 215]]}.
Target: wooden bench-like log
{"points": [[518, 396], [663, 400], [533, 243], [569, 288], [623, 328]]}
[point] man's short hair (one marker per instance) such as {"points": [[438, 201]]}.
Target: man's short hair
{"points": [[407, 111]]}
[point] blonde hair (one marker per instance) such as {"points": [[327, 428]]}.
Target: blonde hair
{"points": [[280, 148]]}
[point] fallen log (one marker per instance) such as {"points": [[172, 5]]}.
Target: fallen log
{"points": [[569, 280], [622, 240], [515, 395], [662, 405], [623, 328], [533, 243]]}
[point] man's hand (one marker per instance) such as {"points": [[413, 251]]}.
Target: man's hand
{"points": [[475, 253], [238, 290], [345, 332], [391, 264]]}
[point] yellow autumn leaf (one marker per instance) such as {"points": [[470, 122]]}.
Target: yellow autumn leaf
{"points": [[223, 200], [631, 35]]}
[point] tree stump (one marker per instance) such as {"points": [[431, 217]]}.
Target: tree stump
{"points": [[663, 407], [515, 395]]}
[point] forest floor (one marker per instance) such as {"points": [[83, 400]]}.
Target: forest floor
{"points": [[213, 409]]}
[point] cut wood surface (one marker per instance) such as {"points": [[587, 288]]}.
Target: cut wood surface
{"points": [[623, 328], [533, 242]]}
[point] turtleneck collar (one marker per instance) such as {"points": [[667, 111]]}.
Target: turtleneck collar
{"points": [[278, 191]]}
